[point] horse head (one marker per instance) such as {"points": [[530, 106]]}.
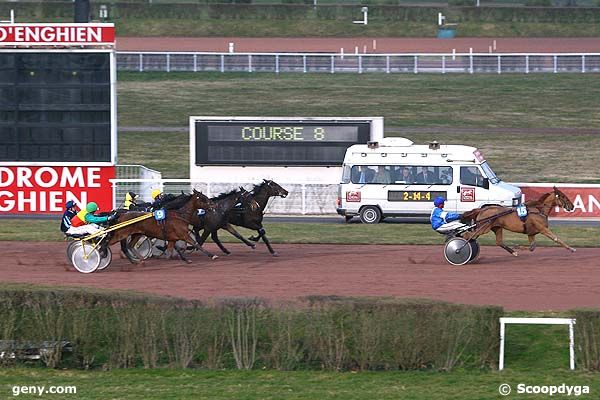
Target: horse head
{"points": [[562, 200], [273, 189], [199, 200]]}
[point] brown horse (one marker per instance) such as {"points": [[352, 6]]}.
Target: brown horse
{"points": [[497, 218], [173, 228]]}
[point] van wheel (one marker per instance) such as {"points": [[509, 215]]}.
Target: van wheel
{"points": [[370, 215]]}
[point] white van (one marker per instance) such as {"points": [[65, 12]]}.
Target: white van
{"points": [[394, 177]]}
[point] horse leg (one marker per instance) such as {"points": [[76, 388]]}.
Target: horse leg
{"points": [[532, 243], [261, 234], [201, 241], [125, 251], [548, 233], [499, 242], [229, 228], [172, 247], [215, 238]]}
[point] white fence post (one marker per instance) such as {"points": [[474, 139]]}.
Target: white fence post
{"points": [[360, 65], [526, 64], [332, 64], [222, 62], [538, 321], [387, 64], [249, 62], [168, 62], [443, 64], [303, 199], [304, 63], [583, 64], [499, 65], [141, 62], [416, 67], [195, 62], [276, 63], [555, 64]]}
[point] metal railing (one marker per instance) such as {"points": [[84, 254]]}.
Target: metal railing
{"points": [[467, 63], [303, 198]]}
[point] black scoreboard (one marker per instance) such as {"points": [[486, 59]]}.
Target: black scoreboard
{"points": [[55, 106], [277, 142]]}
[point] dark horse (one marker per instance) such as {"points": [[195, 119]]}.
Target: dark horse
{"points": [[217, 217], [251, 210], [173, 228], [497, 218]]}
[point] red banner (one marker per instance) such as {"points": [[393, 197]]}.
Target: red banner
{"points": [[586, 199], [57, 34], [43, 190]]}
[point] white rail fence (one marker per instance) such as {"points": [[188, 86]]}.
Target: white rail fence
{"points": [[303, 198], [468, 63]]}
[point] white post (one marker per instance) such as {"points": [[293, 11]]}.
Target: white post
{"points": [[222, 62], [583, 63], [443, 64], [387, 64], [195, 62], [494, 44], [231, 46], [571, 345], [374, 44], [342, 53], [141, 63], [501, 360], [304, 63], [168, 62], [249, 62], [303, 199], [470, 60], [276, 63], [332, 64], [453, 54]]}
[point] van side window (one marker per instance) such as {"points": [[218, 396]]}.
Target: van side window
{"points": [[471, 176], [446, 175], [362, 174]]}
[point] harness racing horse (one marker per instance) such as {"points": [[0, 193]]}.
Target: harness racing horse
{"points": [[251, 212], [215, 218], [173, 228], [497, 218]]}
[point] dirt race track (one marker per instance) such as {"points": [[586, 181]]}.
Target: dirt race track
{"points": [[362, 45], [548, 279]]}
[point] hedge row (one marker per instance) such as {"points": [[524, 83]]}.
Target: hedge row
{"points": [[587, 339], [116, 330], [117, 11]]}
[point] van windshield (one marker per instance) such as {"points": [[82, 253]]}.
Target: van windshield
{"points": [[487, 170]]}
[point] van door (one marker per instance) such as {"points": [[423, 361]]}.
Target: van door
{"points": [[472, 192]]}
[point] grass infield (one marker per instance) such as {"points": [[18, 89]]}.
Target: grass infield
{"points": [[195, 384], [556, 106]]}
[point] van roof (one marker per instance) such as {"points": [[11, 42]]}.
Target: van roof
{"points": [[401, 149]]}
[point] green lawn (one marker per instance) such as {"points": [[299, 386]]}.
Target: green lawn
{"points": [[194, 384], [422, 101], [518, 101], [354, 233]]}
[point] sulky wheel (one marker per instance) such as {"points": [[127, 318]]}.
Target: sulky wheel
{"points": [[144, 247], [85, 258], [457, 251], [71, 247], [370, 215], [475, 250], [105, 261]]}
